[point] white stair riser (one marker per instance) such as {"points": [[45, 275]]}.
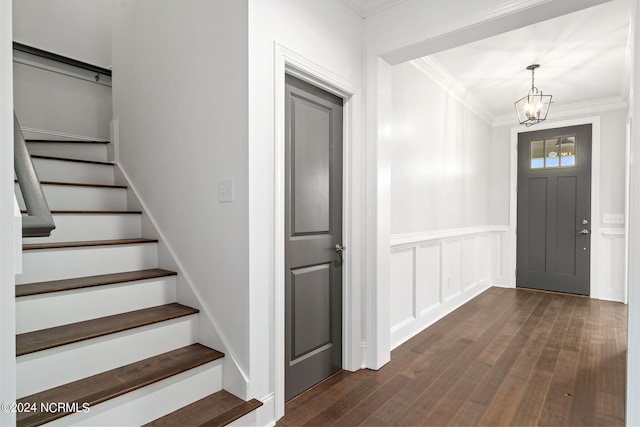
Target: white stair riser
{"points": [[70, 150], [71, 197], [50, 368], [153, 401], [53, 264], [62, 171], [81, 227], [59, 308]]}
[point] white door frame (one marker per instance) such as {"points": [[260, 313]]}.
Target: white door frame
{"points": [[595, 259], [289, 62]]}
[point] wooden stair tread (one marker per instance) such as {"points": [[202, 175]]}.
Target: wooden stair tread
{"points": [[88, 212], [65, 159], [59, 245], [80, 184], [43, 339], [116, 382], [217, 409], [37, 288], [66, 141]]}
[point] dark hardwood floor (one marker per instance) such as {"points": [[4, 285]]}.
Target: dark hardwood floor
{"points": [[510, 357]]}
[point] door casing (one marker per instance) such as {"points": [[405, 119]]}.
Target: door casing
{"points": [[510, 253], [290, 62]]}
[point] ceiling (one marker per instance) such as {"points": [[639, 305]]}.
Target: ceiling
{"points": [[583, 57]]}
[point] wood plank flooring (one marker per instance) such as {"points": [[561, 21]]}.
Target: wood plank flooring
{"points": [[510, 357]]}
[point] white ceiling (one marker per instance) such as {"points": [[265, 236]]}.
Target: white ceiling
{"points": [[583, 57]]}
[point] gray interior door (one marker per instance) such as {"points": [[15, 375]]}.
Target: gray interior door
{"points": [[554, 210], [313, 228]]}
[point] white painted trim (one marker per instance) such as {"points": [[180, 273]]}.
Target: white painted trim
{"points": [[17, 217], [391, 52], [87, 76], [264, 415], [61, 134], [569, 110], [612, 232], [113, 151], [377, 351], [287, 61], [403, 240], [595, 193], [7, 220], [370, 11], [443, 78]]}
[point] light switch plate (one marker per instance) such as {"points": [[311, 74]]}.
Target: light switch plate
{"points": [[225, 191], [613, 218]]}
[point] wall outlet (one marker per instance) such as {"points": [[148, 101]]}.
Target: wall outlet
{"points": [[225, 191], [613, 218]]}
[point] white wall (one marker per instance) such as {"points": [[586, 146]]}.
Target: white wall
{"points": [[57, 102], [180, 95], [78, 29], [443, 248], [7, 236], [327, 35], [441, 158]]}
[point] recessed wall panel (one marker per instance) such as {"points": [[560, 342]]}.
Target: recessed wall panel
{"points": [[428, 280], [402, 287]]}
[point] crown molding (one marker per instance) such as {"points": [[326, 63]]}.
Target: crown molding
{"points": [[569, 110], [365, 11], [436, 72], [625, 88]]}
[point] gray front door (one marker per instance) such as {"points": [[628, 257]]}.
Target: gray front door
{"points": [[554, 210], [313, 235]]}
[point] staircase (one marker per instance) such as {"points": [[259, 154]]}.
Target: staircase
{"points": [[101, 339]]}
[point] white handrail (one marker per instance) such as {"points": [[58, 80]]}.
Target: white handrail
{"points": [[39, 221]]}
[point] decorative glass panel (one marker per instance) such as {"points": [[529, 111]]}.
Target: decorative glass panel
{"points": [[568, 151], [553, 152], [537, 154], [552, 155]]}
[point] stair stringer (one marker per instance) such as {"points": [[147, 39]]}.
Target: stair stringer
{"points": [[234, 380]]}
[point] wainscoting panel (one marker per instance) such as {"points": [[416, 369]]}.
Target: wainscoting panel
{"points": [[428, 268], [433, 273], [403, 279], [611, 283]]}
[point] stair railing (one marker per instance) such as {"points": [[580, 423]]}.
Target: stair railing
{"points": [[39, 221]]}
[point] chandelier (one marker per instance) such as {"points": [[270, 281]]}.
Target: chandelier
{"points": [[534, 107]]}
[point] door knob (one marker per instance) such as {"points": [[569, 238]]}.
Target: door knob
{"points": [[584, 231], [339, 248]]}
